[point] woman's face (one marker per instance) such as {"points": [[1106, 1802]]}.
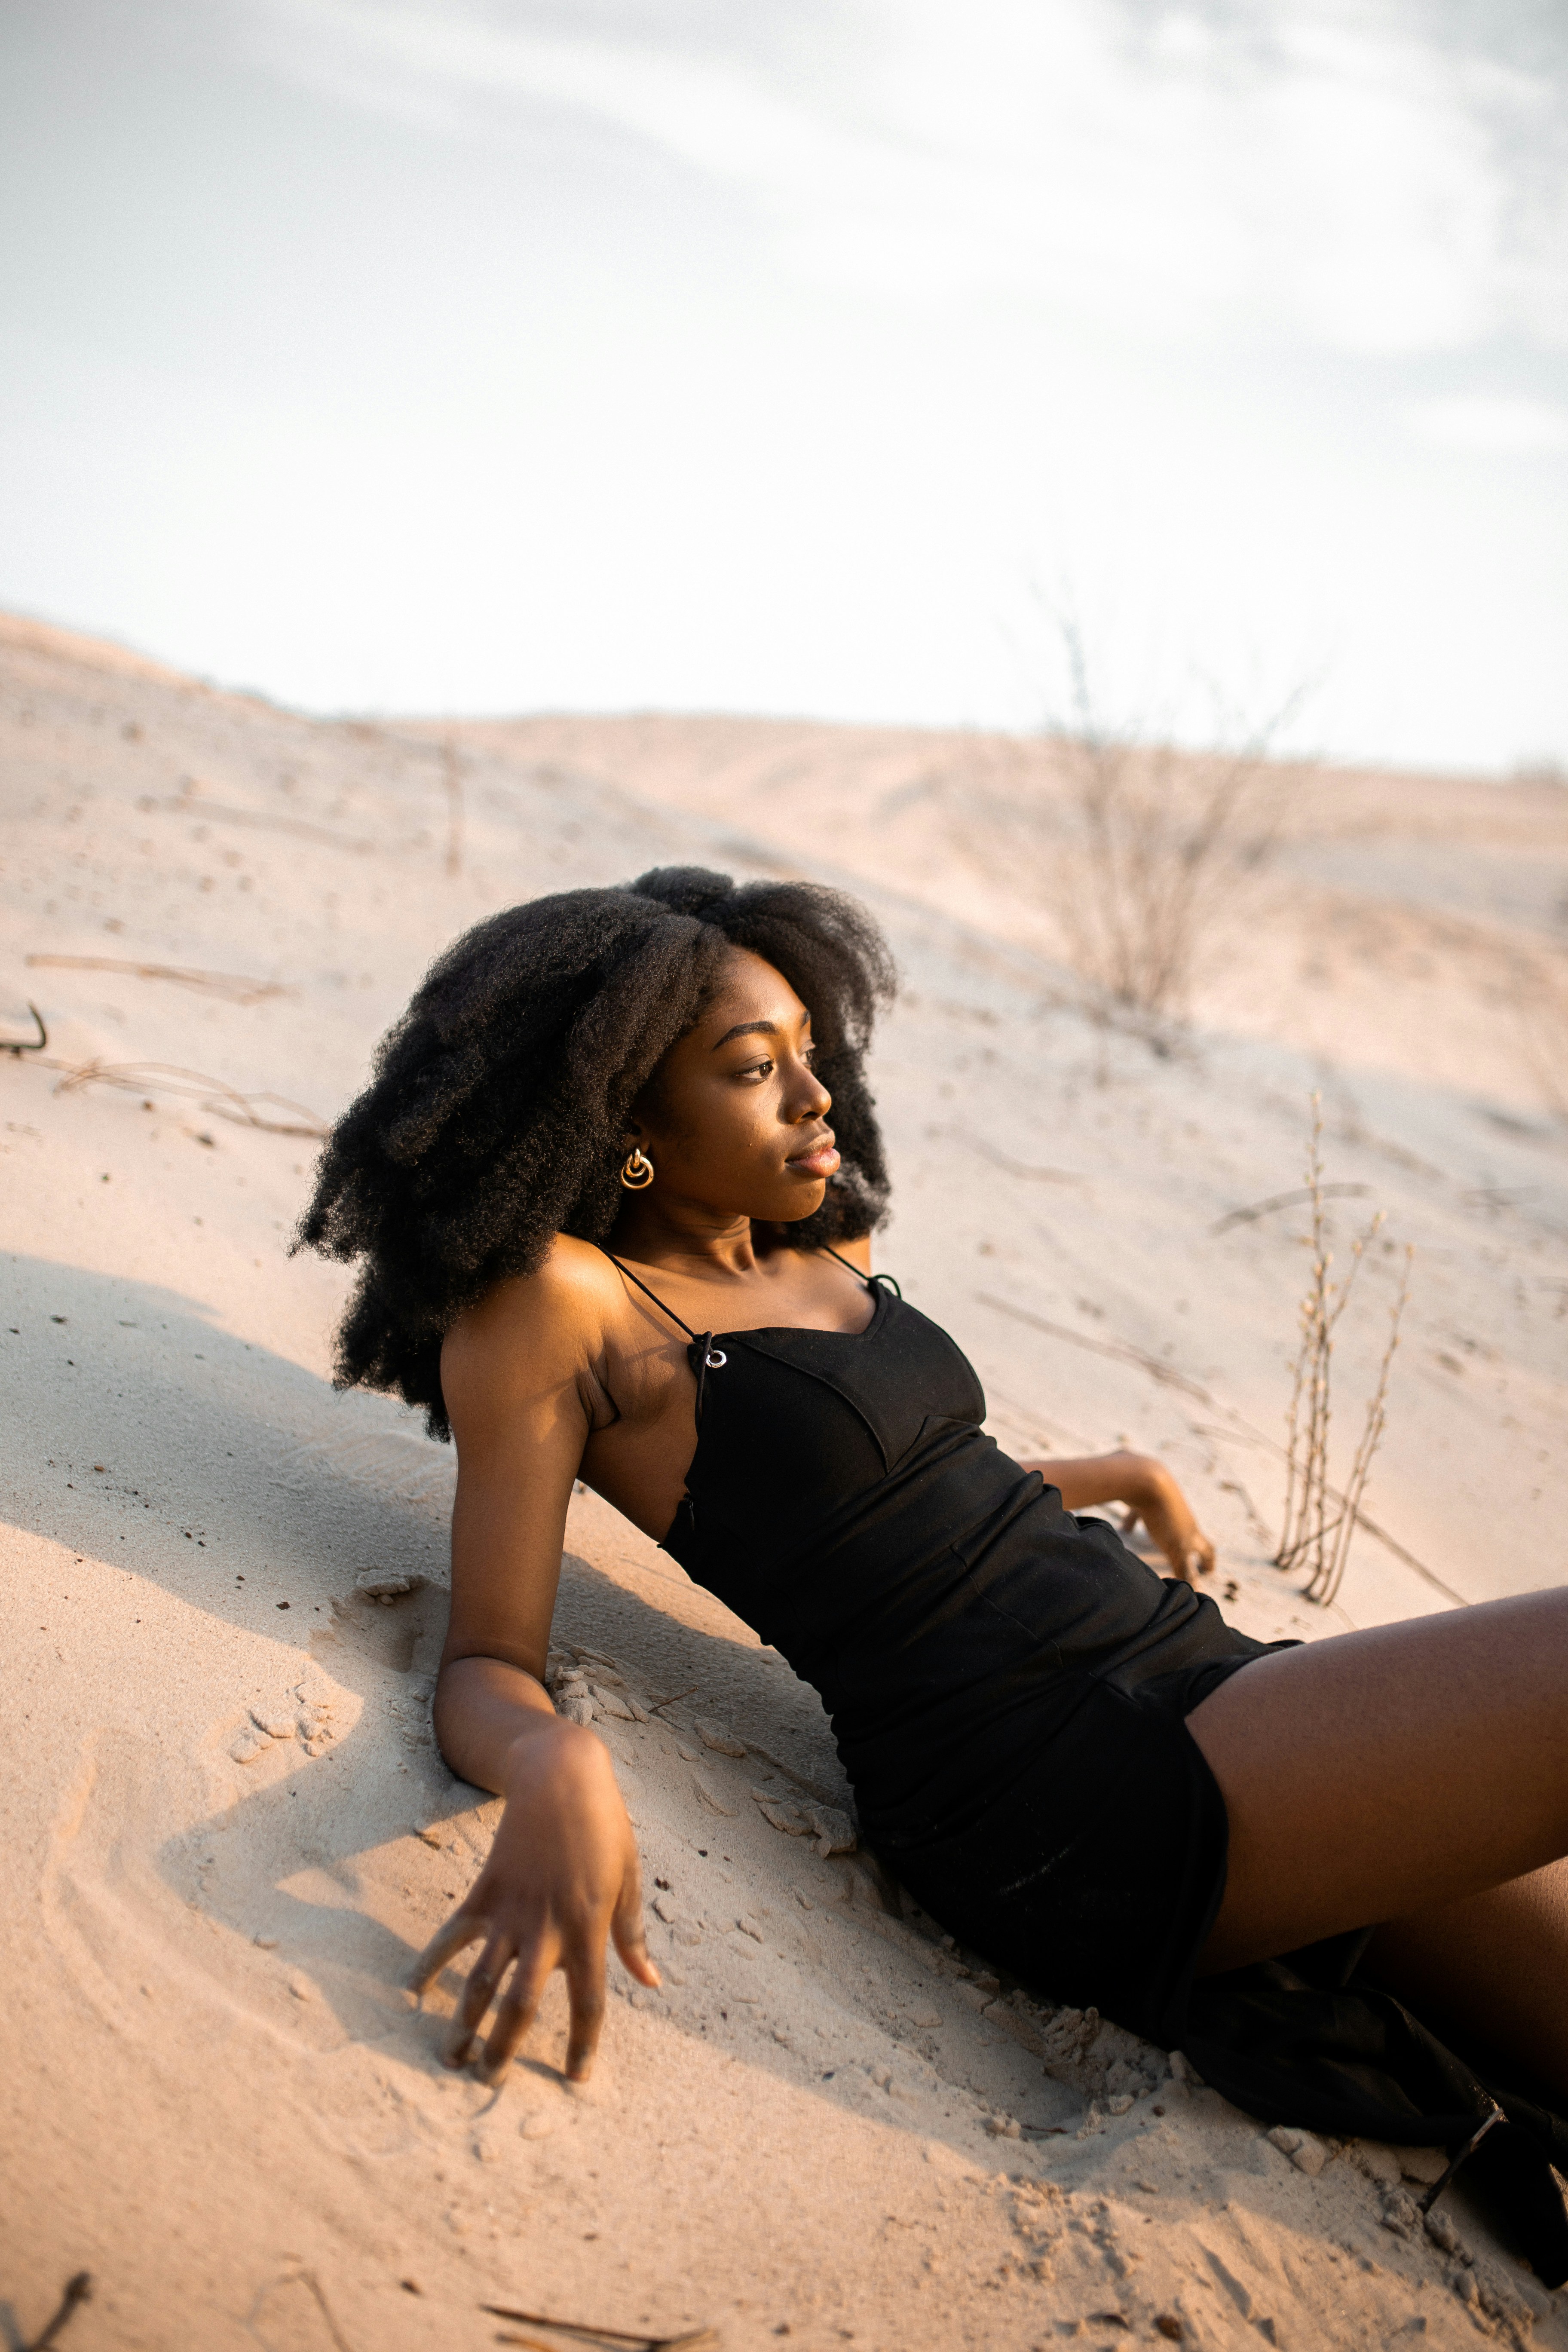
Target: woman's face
{"points": [[736, 1122]]}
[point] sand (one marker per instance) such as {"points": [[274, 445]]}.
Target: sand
{"points": [[227, 1828]]}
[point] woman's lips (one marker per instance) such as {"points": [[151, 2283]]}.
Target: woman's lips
{"points": [[822, 1160]]}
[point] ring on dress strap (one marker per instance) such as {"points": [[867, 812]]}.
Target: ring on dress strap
{"points": [[715, 1360]]}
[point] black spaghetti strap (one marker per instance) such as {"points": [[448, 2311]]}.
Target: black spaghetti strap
{"points": [[868, 1279], [704, 1355], [649, 1294]]}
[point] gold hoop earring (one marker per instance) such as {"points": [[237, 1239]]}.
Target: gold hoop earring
{"points": [[636, 1173]]}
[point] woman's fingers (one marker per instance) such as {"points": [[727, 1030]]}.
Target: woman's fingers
{"points": [[629, 1931], [584, 1967], [1168, 1515], [1191, 1557], [534, 1964], [483, 1984], [516, 2013], [1189, 1550], [461, 1929]]}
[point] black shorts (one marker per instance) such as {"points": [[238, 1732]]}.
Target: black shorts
{"points": [[1096, 1875]]}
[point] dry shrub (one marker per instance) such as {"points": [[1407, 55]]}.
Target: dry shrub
{"points": [[1319, 1519], [1140, 852]]}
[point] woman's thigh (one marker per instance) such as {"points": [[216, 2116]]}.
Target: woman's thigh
{"points": [[1496, 1964], [1375, 1776]]}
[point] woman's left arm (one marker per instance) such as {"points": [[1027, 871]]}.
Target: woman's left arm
{"points": [[1147, 1488]]}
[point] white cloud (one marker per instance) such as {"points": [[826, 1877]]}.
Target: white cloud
{"points": [[631, 354], [1339, 174], [1489, 423]]}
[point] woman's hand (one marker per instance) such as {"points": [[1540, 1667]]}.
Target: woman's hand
{"points": [[1152, 1494], [561, 1878], [1156, 1499]]}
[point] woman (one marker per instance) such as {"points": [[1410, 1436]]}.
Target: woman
{"points": [[614, 1183]]}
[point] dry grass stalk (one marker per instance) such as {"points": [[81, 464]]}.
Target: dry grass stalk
{"points": [[1165, 1376], [232, 986], [1371, 1439], [1318, 1520], [214, 1095]]}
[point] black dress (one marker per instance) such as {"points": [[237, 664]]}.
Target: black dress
{"points": [[1007, 1684], [1008, 1688]]}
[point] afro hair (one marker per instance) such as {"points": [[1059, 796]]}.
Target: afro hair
{"points": [[496, 1116]]}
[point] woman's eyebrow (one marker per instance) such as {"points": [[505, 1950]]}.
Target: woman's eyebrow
{"points": [[755, 1029], [748, 1029]]}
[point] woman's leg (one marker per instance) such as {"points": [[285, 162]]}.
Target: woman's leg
{"points": [[1391, 1775], [1496, 1965]]}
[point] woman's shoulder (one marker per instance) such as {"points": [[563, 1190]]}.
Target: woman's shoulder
{"points": [[556, 1309]]}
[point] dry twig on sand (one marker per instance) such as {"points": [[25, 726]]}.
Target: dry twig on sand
{"points": [[1285, 1201], [79, 2290], [693, 2339], [18, 1046], [1318, 1523], [214, 1095], [232, 986], [1119, 1350]]}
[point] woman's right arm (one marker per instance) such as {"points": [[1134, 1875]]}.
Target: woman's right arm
{"points": [[563, 1873], [1152, 1493]]}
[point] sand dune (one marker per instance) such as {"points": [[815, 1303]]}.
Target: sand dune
{"points": [[226, 1826]]}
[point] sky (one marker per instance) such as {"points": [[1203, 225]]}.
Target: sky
{"points": [[803, 357]]}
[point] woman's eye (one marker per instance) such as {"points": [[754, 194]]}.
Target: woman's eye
{"points": [[759, 1070]]}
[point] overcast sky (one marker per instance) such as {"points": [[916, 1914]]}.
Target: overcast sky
{"points": [[802, 355]]}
